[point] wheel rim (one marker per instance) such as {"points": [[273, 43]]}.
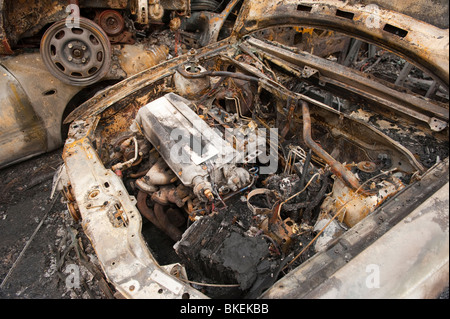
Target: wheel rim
{"points": [[77, 56]]}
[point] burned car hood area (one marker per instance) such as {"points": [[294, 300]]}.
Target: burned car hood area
{"points": [[250, 168]]}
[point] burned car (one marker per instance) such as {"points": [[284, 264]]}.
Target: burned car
{"points": [[82, 42], [76, 49], [254, 168]]}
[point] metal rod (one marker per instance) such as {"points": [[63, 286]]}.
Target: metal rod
{"points": [[336, 167], [305, 169], [404, 74], [241, 76]]}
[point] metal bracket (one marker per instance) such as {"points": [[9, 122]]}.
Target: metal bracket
{"points": [[437, 125]]}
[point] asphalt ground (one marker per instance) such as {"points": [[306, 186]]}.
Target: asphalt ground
{"points": [[44, 253]]}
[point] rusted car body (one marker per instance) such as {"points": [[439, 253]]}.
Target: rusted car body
{"points": [[338, 191], [32, 111]]}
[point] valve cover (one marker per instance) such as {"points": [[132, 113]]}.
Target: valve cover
{"points": [[189, 146]]}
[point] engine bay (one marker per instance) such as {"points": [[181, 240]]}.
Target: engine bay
{"points": [[247, 174]]}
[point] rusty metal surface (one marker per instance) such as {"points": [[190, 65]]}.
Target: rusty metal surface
{"points": [[343, 125], [183, 6], [37, 119], [111, 21], [132, 85], [427, 258], [130, 265], [26, 18], [137, 58], [22, 131], [113, 4], [419, 42], [422, 109], [211, 24], [322, 266], [168, 227], [145, 210], [358, 205], [434, 12], [20, 19], [191, 87], [109, 213], [78, 58], [336, 167]]}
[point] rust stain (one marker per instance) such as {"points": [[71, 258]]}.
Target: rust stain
{"points": [[32, 125]]}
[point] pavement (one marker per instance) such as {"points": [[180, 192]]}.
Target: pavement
{"points": [[43, 252]]}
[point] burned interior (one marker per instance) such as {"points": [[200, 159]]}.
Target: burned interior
{"points": [[232, 225]]}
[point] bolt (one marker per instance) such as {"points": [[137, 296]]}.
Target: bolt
{"points": [[209, 195], [83, 48], [83, 60], [77, 53], [70, 45], [70, 58]]}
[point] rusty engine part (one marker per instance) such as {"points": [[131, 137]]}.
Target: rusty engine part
{"points": [[146, 11], [158, 217], [170, 194], [22, 19], [196, 75], [149, 11], [77, 56], [160, 174], [238, 96], [157, 186], [155, 10], [136, 58], [113, 23], [281, 231], [129, 155], [350, 207], [357, 205], [368, 167], [191, 87], [337, 168], [204, 27], [271, 197], [72, 205], [201, 158]]}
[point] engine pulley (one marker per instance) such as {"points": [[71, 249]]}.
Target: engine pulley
{"points": [[111, 22]]}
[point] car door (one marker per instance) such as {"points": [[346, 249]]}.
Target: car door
{"points": [[22, 132]]}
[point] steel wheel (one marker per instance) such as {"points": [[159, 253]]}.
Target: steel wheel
{"points": [[77, 56]]}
